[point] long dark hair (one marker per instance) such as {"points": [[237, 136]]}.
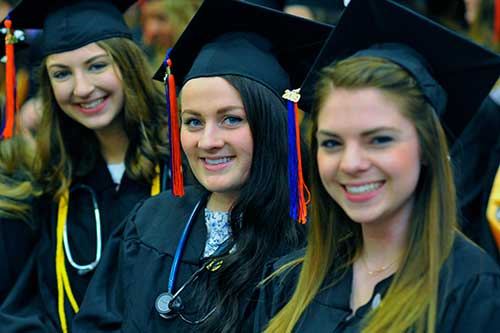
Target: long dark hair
{"points": [[260, 220]]}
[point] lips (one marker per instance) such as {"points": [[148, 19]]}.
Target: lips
{"points": [[217, 161], [92, 107], [364, 188], [92, 104], [360, 193], [215, 164]]}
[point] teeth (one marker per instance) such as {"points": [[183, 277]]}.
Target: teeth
{"points": [[363, 188], [217, 161], [92, 104]]}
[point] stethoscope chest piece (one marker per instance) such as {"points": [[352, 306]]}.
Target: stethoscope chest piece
{"points": [[167, 308]]}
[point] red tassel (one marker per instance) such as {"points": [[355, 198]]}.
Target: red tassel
{"points": [[177, 179], [302, 204], [496, 27], [10, 82]]}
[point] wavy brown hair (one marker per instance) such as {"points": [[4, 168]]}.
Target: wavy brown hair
{"points": [[61, 154], [16, 184]]}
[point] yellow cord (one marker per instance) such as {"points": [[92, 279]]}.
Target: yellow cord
{"points": [[493, 208], [63, 284], [155, 186], [61, 216]]}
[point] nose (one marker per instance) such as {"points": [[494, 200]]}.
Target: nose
{"points": [[354, 159], [150, 30], [211, 138], [83, 85]]}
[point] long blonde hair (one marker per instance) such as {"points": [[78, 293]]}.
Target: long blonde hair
{"points": [[334, 241]]}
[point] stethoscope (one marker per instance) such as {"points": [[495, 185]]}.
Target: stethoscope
{"points": [[84, 269], [168, 303]]}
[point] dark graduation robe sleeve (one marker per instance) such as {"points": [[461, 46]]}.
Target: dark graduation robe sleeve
{"points": [[476, 158], [136, 265], [102, 308], [469, 298], [274, 295], [17, 240], [23, 310], [474, 307]]}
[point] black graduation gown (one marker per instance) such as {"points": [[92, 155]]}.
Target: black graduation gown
{"points": [[17, 239], [136, 268], [468, 301], [32, 304], [476, 155]]}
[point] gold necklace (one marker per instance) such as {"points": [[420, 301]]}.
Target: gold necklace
{"points": [[377, 270]]}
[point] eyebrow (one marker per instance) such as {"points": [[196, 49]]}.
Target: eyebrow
{"points": [[369, 132], [88, 61], [220, 111]]}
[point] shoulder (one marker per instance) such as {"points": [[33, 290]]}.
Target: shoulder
{"points": [[467, 264], [287, 272], [469, 291], [162, 216]]}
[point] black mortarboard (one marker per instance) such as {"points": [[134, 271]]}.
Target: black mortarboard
{"points": [[228, 37], [462, 69], [290, 43], [68, 25]]}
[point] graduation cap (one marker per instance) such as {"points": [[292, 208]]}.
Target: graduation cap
{"points": [[69, 25], [454, 73], [228, 37]]}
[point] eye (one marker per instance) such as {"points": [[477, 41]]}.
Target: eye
{"points": [[232, 120], [60, 74], [192, 122], [381, 140], [329, 143], [98, 66]]}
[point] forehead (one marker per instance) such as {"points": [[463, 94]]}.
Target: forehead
{"points": [[209, 93], [81, 54], [360, 109]]}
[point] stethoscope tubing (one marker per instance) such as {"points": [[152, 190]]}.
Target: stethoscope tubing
{"points": [[182, 242]]}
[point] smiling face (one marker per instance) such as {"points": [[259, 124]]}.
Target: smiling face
{"points": [[368, 155], [87, 86], [216, 135]]}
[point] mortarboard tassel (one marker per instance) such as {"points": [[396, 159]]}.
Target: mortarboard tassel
{"points": [[7, 129], [173, 131], [298, 204], [496, 27]]}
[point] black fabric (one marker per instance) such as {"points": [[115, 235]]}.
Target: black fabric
{"points": [[36, 294], [476, 158], [69, 25], [280, 63], [17, 240], [468, 299], [464, 69], [122, 295], [416, 65]]}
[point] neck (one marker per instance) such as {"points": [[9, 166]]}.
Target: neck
{"points": [[113, 143], [221, 202], [384, 244]]}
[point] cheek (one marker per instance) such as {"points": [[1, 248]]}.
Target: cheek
{"points": [[61, 92], [406, 164], [327, 167]]}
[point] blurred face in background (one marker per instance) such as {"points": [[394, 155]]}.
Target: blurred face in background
{"points": [[471, 10], [157, 27]]}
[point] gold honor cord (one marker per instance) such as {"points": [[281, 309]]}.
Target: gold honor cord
{"points": [[63, 284], [493, 209]]}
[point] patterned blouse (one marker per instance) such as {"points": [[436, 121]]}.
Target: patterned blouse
{"points": [[218, 230]]}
